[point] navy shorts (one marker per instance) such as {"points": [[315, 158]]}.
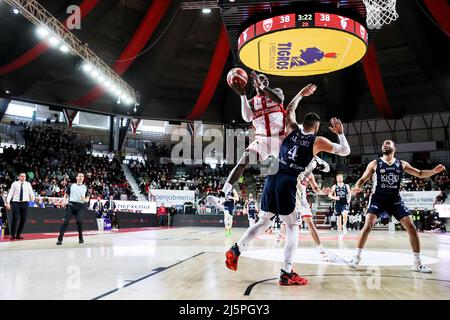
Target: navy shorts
{"points": [[229, 207], [339, 207], [252, 214], [392, 206], [279, 194]]}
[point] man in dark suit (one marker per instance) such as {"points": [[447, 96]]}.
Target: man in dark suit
{"points": [[110, 208]]}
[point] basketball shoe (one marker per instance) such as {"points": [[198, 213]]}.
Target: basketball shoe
{"points": [[291, 279], [232, 257]]}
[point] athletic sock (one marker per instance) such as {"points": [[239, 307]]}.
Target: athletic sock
{"points": [[227, 187], [320, 248], [287, 267], [417, 259], [358, 252]]}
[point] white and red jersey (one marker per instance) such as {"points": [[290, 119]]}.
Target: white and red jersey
{"points": [[269, 116]]}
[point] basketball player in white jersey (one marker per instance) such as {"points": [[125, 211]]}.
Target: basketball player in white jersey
{"points": [[303, 207], [341, 194], [267, 114]]}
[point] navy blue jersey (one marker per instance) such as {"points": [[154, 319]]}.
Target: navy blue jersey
{"points": [[296, 152], [387, 179], [251, 206], [342, 193], [229, 201]]}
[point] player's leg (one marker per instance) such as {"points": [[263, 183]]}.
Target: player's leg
{"points": [[408, 224], [66, 220], [79, 214], [339, 225], [226, 220], [251, 220], [314, 233], [344, 221], [288, 276], [371, 219], [233, 177], [232, 255]]}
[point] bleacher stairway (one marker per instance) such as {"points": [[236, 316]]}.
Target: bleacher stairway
{"points": [[134, 186]]}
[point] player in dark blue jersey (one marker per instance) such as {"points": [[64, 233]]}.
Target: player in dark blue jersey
{"points": [[387, 173], [252, 208], [297, 154], [341, 194], [228, 210]]}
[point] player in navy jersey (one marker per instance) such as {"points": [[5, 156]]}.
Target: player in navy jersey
{"points": [[387, 173], [341, 194], [228, 210], [251, 208], [296, 154]]}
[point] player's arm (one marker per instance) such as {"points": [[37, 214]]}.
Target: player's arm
{"points": [[422, 173], [276, 94], [246, 110], [349, 194], [365, 177], [64, 201], [235, 195], [86, 196], [291, 119], [315, 187], [10, 196], [31, 193], [322, 144], [332, 194]]}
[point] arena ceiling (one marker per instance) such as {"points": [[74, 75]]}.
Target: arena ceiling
{"points": [[412, 55]]}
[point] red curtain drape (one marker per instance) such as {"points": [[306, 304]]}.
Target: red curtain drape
{"points": [[142, 34], [441, 13], [375, 81]]}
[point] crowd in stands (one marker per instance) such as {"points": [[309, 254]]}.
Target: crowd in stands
{"points": [[51, 158]]}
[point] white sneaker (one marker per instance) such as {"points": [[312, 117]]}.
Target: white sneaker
{"points": [[345, 230], [354, 263], [325, 257], [216, 202], [421, 268], [341, 237]]}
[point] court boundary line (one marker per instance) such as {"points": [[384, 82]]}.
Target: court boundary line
{"points": [[155, 271], [249, 289]]}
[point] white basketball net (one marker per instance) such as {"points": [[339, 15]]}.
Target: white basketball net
{"points": [[380, 12]]}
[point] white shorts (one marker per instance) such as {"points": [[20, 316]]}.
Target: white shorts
{"points": [[301, 203], [266, 146]]}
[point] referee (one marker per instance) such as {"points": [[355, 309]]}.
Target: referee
{"points": [[78, 195], [20, 193]]}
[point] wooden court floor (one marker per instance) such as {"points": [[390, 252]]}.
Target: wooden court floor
{"points": [[188, 263]]}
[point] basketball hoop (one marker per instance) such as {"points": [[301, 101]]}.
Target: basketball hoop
{"points": [[380, 12]]}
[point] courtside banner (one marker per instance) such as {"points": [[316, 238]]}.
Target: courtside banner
{"points": [[130, 206], [443, 210], [422, 200], [172, 197]]}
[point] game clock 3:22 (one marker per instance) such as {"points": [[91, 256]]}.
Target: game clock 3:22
{"points": [[305, 19]]}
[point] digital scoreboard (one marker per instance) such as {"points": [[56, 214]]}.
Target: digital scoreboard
{"points": [[302, 44]]}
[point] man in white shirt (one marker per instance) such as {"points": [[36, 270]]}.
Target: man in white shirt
{"points": [[20, 194]]}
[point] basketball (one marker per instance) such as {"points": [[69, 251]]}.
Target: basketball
{"points": [[237, 75]]}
